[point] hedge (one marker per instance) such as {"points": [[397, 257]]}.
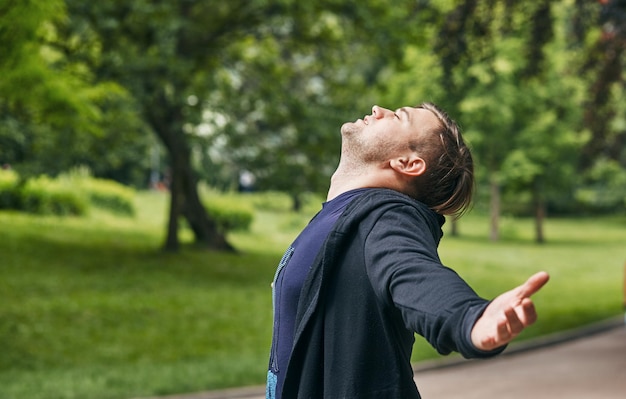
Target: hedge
{"points": [[9, 197], [110, 195], [229, 212], [45, 196], [69, 194]]}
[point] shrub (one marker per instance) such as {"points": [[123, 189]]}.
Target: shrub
{"points": [[275, 201], [110, 195], [9, 196], [69, 194], [271, 201], [229, 212], [46, 196], [605, 188], [102, 193]]}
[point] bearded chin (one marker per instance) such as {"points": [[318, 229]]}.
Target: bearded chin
{"points": [[349, 128]]}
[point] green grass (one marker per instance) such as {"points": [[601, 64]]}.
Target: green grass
{"points": [[585, 258], [92, 309]]}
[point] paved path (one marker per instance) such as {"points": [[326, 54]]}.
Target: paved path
{"points": [[591, 367], [587, 363]]}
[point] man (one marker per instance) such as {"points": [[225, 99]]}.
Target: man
{"points": [[365, 275]]}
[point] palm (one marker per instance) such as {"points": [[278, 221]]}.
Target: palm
{"points": [[508, 314]]}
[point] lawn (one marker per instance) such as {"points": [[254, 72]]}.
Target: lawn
{"points": [[92, 309]]}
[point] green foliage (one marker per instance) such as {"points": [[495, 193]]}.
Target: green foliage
{"points": [[275, 201], [213, 76], [9, 195], [53, 115], [110, 195], [271, 201], [264, 86], [27, 79], [102, 193], [236, 211], [107, 194], [522, 115], [229, 212], [604, 189], [69, 194], [45, 196], [407, 86]]}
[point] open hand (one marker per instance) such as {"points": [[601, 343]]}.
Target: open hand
{"points": [[507, 315]]}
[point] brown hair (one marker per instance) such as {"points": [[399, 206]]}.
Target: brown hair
{"points": [[447, 185]]}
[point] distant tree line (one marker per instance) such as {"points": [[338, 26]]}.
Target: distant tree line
{"points": [[210, 89]]}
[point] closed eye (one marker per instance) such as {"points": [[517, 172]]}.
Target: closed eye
{"points": [[404, 112]]}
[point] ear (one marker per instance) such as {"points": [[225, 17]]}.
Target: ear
{"points": [[409, 166]]}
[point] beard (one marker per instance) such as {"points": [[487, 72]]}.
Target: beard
{"points": [[350, 128], [359, 150]]}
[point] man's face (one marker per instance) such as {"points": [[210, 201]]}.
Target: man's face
{"points": [[385, 134]]}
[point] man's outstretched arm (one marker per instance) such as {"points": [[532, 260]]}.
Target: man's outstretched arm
{"points": [[507, 315]]}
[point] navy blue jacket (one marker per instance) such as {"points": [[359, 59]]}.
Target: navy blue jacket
{"points": [[377, 280]]}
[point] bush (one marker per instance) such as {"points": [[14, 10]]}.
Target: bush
{"points": [[46, 196], [102, 193], [110, 195], [230, 213], [9, 196], [69, 194], [275, 201], [605, 188], [271, 201]]}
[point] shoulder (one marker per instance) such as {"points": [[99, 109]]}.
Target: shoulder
{"points": [[376, 202]]}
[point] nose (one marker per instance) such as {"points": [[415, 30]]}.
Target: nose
{"points": [[380, 112]]}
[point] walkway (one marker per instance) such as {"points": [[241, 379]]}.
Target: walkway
{"points": [[587, 363]]}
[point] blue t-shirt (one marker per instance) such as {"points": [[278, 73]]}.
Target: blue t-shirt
{"points": [[288, 281]]}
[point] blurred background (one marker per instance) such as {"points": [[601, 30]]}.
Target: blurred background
{"points": [[157, 156]]}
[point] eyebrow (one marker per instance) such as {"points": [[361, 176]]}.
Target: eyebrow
{"points": [[408, 115]]}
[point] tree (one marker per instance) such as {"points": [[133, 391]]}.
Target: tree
{"points": [[171, 56], [602, 164], [298, 84], [36, 98], [510, 71], [164, 52], [605, 64], [52, 115]]}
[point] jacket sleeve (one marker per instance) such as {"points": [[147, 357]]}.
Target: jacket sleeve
{"points": [[406, 273]]}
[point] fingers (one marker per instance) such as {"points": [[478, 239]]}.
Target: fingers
{"points": [[508, 314], [521, 316], [529, 312], [534, 284], [503, 334], [514, 323]]}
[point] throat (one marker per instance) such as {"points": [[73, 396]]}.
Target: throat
{"points": [[344, 180]]}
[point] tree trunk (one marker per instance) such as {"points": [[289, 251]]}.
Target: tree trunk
{"points": [[204, 228], [454, 227], [184, 200], [540, 215], [494, 209], [296, 202], [624, 289], [171, 240], [540, 212], [601, 110]]}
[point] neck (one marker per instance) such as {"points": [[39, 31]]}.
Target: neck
{"points": [[340, 184], [349, 177]]}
